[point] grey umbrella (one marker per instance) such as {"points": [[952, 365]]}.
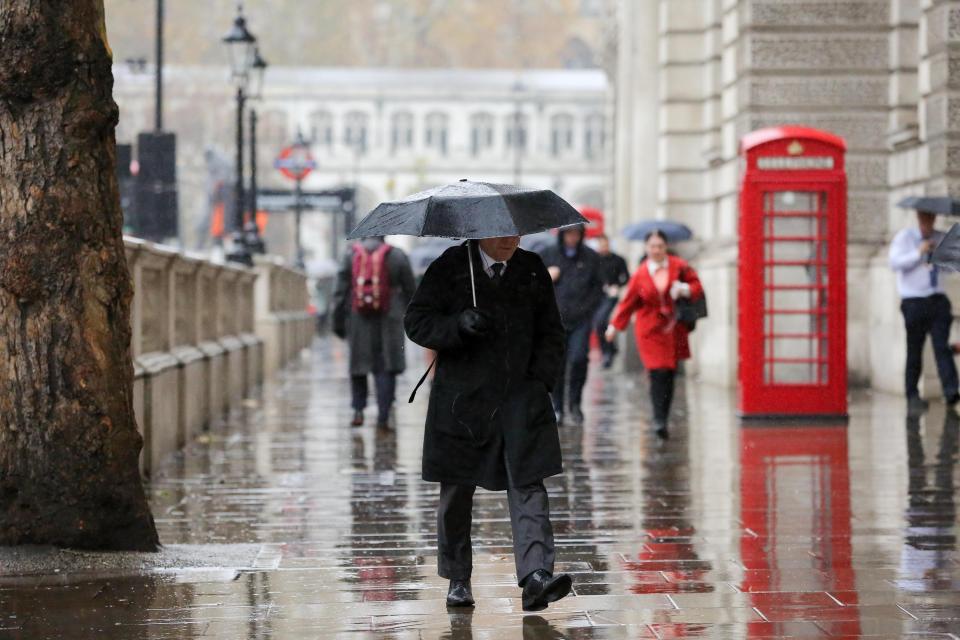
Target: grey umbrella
{"points": [[470, 210], [942, 205], [947, 253]]}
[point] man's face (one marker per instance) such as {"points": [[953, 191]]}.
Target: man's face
{"points": [[603, 246], [572, 237], [926, 222], [500, 249]]}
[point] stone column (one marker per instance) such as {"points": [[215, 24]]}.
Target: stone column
{"points": [[637, 112]]}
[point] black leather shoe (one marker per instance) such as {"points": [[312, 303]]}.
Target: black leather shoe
{"points": [[459, 594], [357, 419], [917, 406], [540, 589]]}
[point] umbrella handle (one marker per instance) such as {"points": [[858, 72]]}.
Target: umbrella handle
{"points": [[473, 283]]}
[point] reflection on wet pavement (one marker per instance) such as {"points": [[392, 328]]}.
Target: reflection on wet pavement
{"points": [[723, 531]]}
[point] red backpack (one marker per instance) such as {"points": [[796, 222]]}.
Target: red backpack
{"points": [[371, 280]]}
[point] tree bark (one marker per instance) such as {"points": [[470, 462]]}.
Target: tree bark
{"points": [[69, 445]]}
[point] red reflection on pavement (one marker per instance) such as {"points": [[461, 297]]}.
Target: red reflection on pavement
{"points": [[795, 511]]}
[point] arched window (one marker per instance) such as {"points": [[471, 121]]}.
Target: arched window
{"points": [[561, 134], [516, 134], [435, 132], [594, 136], [481, 133], [401, 131], [355, 131], [321, 128]]}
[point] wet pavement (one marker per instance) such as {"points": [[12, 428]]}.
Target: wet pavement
{"points": [[723, 532]]}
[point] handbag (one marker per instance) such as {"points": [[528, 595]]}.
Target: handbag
{"points": [[688, 311]]}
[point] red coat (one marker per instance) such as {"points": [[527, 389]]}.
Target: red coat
{"points": [[660, 346]]}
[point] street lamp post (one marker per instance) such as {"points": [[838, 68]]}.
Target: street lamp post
{"points": [[241, 47], [252, 237], [303, 148]]}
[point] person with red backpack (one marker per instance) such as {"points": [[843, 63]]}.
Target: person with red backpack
{"points": [[374, 286]]}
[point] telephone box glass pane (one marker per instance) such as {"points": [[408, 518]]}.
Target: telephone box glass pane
{"points": [[795, 287]]}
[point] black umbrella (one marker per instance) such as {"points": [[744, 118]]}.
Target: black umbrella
{"points": [[947, 253], [470, 210], [932, 204]]}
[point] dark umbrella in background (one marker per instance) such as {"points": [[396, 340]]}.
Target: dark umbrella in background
{"points": [[674, 231], [947, 253], [538, 242], [426, 252], [470, 211]]}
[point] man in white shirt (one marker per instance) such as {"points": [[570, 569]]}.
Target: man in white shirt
{"points": [[925, 307]]}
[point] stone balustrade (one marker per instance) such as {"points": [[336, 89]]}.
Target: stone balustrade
{"points": [[204, 336]]}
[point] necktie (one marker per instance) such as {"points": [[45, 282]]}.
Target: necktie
{"points": [[497, 268], [934, 276]]}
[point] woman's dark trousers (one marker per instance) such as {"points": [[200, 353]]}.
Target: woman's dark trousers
{"points": [[661, 393]]}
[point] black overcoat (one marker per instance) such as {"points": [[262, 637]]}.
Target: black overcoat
{"points": [[580, 287], [490, 397]]}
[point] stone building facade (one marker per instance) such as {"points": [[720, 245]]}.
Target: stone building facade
{"points": [[883, 74], [388, 132]]}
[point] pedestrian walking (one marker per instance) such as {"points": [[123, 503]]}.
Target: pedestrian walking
{"points": [[614, 275], [488, 309], [662, 340], [575, 270], [374, 285], [925, 307]]}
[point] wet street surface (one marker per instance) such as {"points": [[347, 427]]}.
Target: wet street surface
{"points": [[723, 531]]}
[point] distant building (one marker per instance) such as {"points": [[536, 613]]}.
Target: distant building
{"points": [[389, 132]]}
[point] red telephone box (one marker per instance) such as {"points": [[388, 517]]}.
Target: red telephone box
{"points": [[792, 315]]}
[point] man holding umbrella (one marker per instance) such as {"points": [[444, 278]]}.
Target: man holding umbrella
{"points": [[925, 306], [488, 309]]}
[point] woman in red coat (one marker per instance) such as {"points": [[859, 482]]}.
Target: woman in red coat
{"points": [[661, 340]]}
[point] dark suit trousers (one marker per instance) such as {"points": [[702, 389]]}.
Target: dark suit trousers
{"points": [[932, 316], [533, 546], [574, 377]]}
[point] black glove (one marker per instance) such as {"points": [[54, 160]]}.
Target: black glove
{"points": [[474, 323]]}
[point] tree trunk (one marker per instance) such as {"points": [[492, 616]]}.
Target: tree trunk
{"points": [[69, 445]]}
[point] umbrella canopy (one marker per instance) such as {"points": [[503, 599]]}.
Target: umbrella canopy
{"points": [[947, 253], [942, 205], [470, 210], [674, 231]]}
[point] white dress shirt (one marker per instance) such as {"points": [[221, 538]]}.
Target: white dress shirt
{"points": [[913, 271], [677, 288], [488, 263], [653, 267]]}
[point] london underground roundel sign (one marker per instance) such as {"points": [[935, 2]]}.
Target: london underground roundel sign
{"points": [[295, 162]]}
